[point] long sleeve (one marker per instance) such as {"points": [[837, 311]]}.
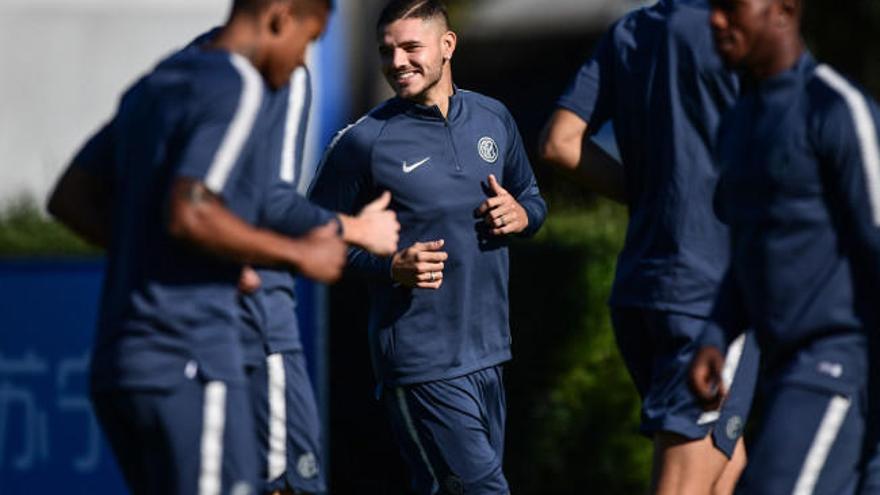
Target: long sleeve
{"points": [[343, 184], [520, 181], [728, 318], [848, 147]]}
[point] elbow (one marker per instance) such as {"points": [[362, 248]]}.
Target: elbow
{"points": [[557, 153], [184, 223]]}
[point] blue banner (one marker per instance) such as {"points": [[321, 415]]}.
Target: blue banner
{"points": [[50, 441], [49, 438]]}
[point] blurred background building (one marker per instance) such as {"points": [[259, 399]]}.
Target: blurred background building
{"points": [[573, 412]]}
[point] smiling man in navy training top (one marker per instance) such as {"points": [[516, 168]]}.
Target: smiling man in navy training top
{"points": [[171, 186], [655, 77], [455, 165], [800, 190]]}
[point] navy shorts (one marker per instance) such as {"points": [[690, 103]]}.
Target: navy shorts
{"points": [[811, 436], [196, 438], [451, 433], [658, 348], [288, 426]]}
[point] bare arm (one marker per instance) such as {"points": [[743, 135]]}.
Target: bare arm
{"points": [[566, 146], [197, 216], [79, 201]]}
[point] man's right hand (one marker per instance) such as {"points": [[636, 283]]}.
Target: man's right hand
{"points": [[323, 254], [705, 377], [420, 265], [375, 228]]}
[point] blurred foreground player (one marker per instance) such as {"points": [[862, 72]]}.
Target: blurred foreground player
{"points": [[655, 76], [800, 190], [170, 187], [286, 413], [461, 181]]}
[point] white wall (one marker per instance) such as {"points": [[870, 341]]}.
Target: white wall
{"points": [[63, 65]]}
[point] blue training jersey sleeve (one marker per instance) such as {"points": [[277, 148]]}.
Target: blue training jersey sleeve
{"points": [[97, 155], [591, 92], [223, 113], [284, 208], [726, 321], [343, 184], [846, 137], [519, 180]]}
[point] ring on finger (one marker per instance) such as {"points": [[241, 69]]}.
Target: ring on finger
{"points": [[501, 219], [432, 276]]}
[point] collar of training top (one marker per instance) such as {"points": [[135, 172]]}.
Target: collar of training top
{"points": [[432, 112]]}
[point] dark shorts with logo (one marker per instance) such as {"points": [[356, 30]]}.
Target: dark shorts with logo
{"points": [[196, 437], [658, 348], [814, 423], [451, 433]]}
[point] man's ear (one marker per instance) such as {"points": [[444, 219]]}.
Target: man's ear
{"points": [[788, 12], [275, 17], [447, 45]]}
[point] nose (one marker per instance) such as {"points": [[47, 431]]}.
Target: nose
{"points": [[399, 58], [717, 19]]}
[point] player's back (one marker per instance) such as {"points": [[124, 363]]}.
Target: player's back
{"points": [[167, 308], [663, 88]]}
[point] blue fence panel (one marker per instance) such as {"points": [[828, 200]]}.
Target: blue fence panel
{"points": [[49, 439]]}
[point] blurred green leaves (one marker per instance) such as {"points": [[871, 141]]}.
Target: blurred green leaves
{"points": [[26, 232], [573, 411]]}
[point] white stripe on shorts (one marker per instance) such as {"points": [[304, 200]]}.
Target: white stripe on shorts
{"points": [[822, 442], [213, 424], [731, 364], [411, 428], [277, 455]]}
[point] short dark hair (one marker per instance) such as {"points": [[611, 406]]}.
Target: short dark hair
{"points": [[396, 10], [254, 6]]}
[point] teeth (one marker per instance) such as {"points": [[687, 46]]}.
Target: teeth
{"points": [[405, 75]]}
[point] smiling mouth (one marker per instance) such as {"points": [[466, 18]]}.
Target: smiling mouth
{"points": [[404, 77]]}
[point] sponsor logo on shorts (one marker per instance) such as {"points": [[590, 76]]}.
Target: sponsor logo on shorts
{"points": [[488, 149], [307, 466], [734, 427], [834, 370]]}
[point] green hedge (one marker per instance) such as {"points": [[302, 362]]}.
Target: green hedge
{"points": [[26, 232], [573, 409]]}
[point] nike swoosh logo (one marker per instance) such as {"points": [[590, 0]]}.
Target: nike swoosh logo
{"points": [[409, 168]]}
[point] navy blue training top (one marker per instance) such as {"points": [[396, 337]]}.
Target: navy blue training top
{"points": [[656, 77], [168, 310], [436, 170], [285, 209], [800, 190]]}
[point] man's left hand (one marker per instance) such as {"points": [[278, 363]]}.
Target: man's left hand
{"points": [[502, 213]]}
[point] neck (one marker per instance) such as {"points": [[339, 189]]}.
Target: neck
{"points": [[240, 35], [439, 95], [788, 51]]}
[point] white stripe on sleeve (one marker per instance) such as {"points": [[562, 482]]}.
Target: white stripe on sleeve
{"points": [[240, 128], [866, 131], [296, 106]]}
